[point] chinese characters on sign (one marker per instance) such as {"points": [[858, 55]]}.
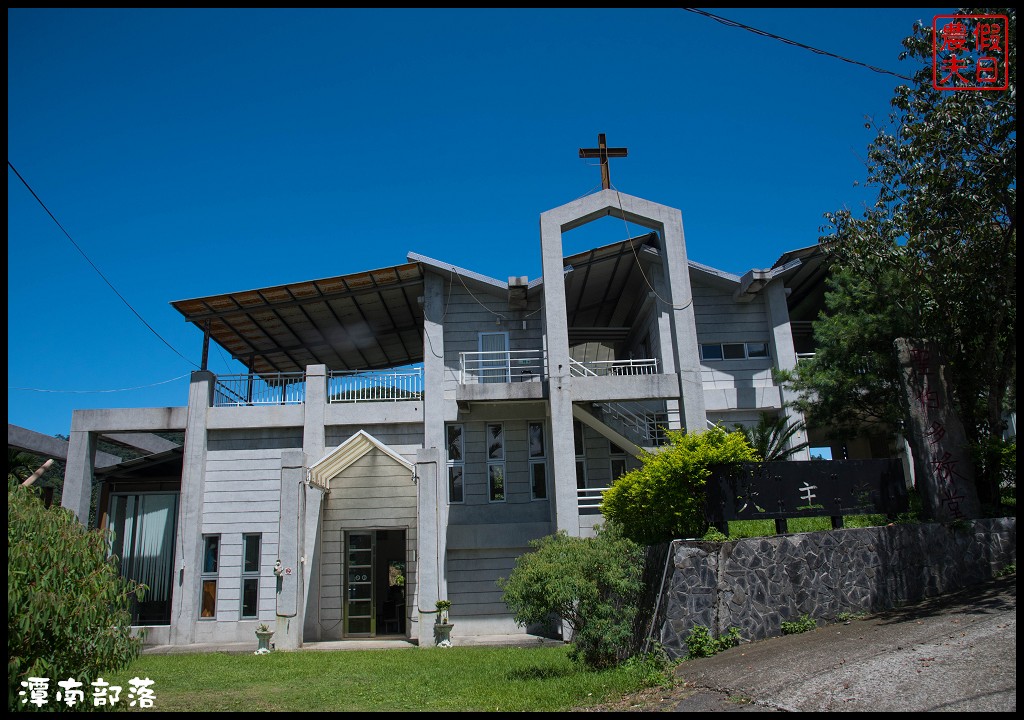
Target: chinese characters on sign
{"points": [[970, 52], [36, 690], [945, 475]]}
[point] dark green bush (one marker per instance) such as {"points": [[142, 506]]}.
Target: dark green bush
{"points": [[592, 584]]}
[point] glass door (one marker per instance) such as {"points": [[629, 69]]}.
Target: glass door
{"points": [[360, 619]]}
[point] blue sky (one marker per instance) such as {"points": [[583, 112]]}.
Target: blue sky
{"points": [[191, 152]]}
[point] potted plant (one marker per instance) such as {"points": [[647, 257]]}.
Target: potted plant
{"points": [[263, 634], [443, 628], [443, 606]]}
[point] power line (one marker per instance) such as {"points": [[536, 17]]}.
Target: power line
{"points": [[794, 43], [43, 205], [85, 392]]}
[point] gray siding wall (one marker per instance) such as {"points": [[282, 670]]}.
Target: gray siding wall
{"points": [[374, 492], [469, 314], [720, 319], [403, 438], [472, 581], [518, 505], [242, 495]]}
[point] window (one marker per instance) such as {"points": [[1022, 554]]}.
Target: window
{"points": [[250, 575], [496, 462], [208, 584], [455, 456], [538, 462], [617, 459], [581, 458], [734, 351]]}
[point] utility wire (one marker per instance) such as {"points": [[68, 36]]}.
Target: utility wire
{"points": [[85, 392], [43, 205], [794, 43]]}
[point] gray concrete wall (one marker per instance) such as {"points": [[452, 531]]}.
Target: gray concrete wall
{"points": [[755, 584]]}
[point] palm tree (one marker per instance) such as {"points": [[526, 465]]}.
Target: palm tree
{"points": [[771, 436]]}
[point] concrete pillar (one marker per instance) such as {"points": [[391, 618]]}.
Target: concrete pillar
{"points": [[189, 543], [783, 354], [676, 272], [666, 351], [77, 490], [431, 467], [314, 439], [431, 535], [556, 333], [290, 581]]}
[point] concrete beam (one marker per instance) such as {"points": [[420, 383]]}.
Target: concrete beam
{"points": [[50, 447], [147, 442]]}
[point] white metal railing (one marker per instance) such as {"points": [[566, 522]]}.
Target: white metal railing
{"points": [[265, 389], [643, 426], [501, 366], [589, 498], [600, 368], [375, 385]]}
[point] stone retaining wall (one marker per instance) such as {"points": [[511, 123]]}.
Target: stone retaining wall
{"points": [[755, 584]]}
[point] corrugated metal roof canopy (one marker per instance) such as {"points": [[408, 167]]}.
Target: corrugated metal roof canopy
{"points": [[364, 321]]}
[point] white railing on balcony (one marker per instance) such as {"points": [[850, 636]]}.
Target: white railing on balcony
{"points": [[589, 498], [601, 368], [509, 366], [375, 385], [266, 389]]}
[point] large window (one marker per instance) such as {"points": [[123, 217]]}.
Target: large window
{"points": [[143, 526], [733, 351], [538, 462], [250, 575], [455, 463], [208, 584], [496, 462]]}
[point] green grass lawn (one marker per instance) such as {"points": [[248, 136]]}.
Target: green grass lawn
{"points": [[503, 679]]}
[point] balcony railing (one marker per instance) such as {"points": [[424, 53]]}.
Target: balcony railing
{"points": [[509, 366], [375, 385], [589, 498], [266, 389], [601, 368]]}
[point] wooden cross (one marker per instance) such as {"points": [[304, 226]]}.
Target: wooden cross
{"points": [[604, 152]]}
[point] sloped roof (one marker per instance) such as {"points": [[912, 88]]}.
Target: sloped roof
{"points": [[364, 320]]}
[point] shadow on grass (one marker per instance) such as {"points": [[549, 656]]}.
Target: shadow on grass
{"points": [[541, 673]]}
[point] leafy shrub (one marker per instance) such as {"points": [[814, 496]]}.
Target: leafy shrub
{"points": [[653, 668], [664, 499], [805, 623], [68, 608], [592, 584], [701, 643]]}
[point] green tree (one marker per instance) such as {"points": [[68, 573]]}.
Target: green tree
{"points": [[935, 257], [665, 497], [67, 605], [592, 584]]}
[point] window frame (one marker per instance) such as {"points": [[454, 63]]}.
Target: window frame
{"points": [[455, 465], [716, 352], [250, 577], [580, 450], [616, 455], [209, 576], [537, 461], [496, 464]]}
